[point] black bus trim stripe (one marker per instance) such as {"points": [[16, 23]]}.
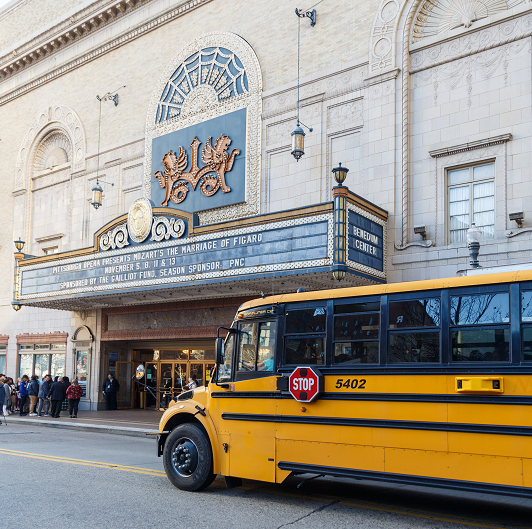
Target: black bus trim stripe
{"points": [[378, 423], [383, 397], [472, 486]]}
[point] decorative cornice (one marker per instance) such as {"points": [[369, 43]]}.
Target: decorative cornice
{"points": [[53, 237], [149, 25], [52, 337], [479, 144], [4, 339], [511, 233], [382, 77], [60, 36], [425, 244]]}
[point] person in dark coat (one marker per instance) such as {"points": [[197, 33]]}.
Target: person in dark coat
{"points": [[2, 393], [23, 389], [45, 391], [110, 388], [58, 396]]}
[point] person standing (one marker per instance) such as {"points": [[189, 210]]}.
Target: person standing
{"points": [[13, 388], [33, 394], [23, 391], [110, 388], [7, 398], [44, 396], [2, 394], [74, 392], [58, 396]]}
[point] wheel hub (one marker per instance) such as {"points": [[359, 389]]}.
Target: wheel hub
{"points": [[185, 457]]}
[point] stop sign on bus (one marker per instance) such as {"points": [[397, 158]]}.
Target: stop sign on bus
{"points": [[305, 384]]}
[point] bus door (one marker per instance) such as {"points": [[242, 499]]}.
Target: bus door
{"points": [[246, 408]]}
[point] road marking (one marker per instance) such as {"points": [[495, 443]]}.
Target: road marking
{"points": [[317, 497], [83, 462]]}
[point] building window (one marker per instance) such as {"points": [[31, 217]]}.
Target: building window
{"points": [[3, 350], [471, 199], [50, 251], [40, 359]]}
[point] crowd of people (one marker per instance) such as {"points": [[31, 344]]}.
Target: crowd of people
{"points": [[38, 399]]}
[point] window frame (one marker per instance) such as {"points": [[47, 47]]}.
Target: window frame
{"points": [[246, 375], [334, 341], [469, 183]]}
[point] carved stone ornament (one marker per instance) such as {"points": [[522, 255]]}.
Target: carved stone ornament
{"points": [[196, 87], [139, 219], [117, 238], [164, 228], [212, 175], [438, 16]]}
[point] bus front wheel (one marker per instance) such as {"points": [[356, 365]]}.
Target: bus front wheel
{"points": [[187, 458]]}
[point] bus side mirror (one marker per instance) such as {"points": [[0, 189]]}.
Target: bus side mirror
{"points": [[219, 350]]}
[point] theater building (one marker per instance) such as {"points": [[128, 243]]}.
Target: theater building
{"points": [[184, 114]]}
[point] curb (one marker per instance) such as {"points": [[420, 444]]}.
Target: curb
{"points": [[81, 427]]}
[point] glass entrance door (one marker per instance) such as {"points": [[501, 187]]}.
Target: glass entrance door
{"points": [[152, 371], [124, 375]]}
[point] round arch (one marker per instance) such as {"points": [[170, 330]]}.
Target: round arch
{"points": [[58, 118]]}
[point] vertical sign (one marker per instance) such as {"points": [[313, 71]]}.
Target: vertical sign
{"points": [[365, 242]]}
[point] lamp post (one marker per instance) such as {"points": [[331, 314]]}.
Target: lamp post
{"points": [[473, 243], [298, 134], [340, 221], [19, 245]]}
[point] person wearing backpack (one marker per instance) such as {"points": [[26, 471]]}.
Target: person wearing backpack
{"points": [[33, 394]]}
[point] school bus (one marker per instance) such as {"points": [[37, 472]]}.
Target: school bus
{"points": [[423, 383]]}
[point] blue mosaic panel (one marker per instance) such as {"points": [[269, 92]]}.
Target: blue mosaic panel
{"points": [[218, 68], [364, 241], [232, 125]]}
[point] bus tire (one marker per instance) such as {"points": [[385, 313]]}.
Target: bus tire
{"points": [[187, 458]]}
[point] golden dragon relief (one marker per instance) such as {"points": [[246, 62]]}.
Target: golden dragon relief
{"points": [[212, 175]]}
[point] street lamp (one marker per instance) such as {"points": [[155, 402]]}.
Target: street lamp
{"points": [[473, 243], [97, 195], [298, 134], [19, 244], [340, 173]]}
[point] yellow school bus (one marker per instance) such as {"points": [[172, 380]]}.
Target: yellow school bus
{"points": [[423, 383]]}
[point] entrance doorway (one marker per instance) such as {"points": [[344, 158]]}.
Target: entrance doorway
{"points": [[167, 374]]}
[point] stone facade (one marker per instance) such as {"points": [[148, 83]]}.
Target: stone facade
{"points": [[397, 102]]}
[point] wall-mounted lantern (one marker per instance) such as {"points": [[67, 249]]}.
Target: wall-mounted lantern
{"points": [[473, 243]]}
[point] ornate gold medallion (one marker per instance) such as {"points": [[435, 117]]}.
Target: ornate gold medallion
{"points": [[139, 219], [212, 175]]}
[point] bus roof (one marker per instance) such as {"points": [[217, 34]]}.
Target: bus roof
{"points": [[389, 288]]}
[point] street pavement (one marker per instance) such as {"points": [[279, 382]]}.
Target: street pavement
{"points": [[68, 478]]}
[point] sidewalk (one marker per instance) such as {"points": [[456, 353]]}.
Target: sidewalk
{"points": [[134, 423]]}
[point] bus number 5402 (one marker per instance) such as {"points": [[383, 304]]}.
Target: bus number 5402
{"points": [[351, 383]]}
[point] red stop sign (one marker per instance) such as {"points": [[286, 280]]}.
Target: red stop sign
{"points": [[305, 384]]}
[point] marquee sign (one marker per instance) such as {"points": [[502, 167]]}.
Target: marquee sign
{"points": [[153, 248]]}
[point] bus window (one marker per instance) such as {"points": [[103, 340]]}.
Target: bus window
{"points": [[247, 347], [415, 313], [264, 359], [306, 320], [480, 345], [526, 316], [480, 309], [414, 347], [304, 350], [225, 370], [475, 343], [356, 336], [356, 352]]}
